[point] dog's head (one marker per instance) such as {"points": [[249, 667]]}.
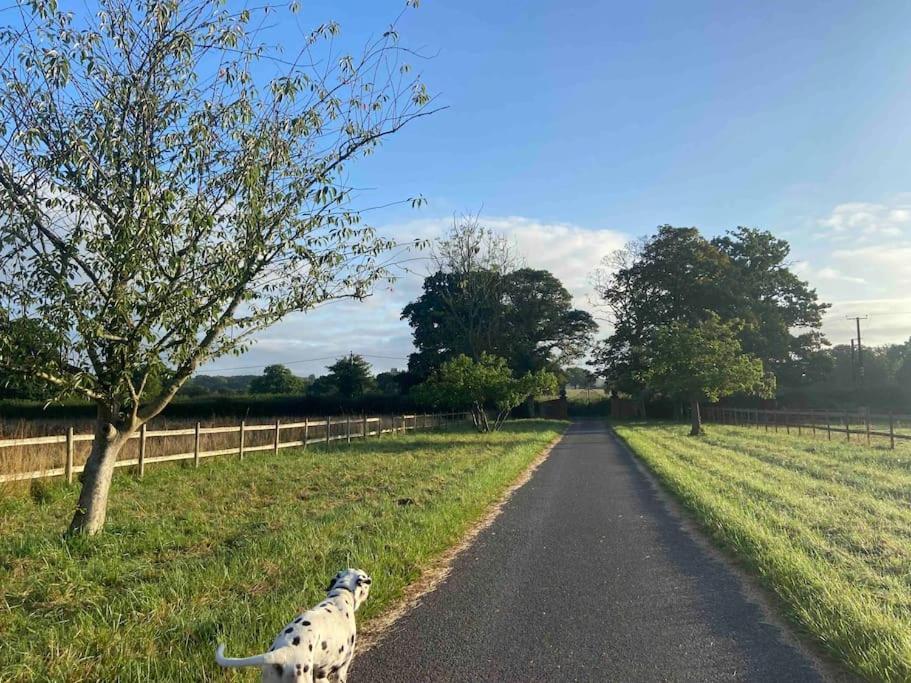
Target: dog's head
{"points": [[355, 580]]}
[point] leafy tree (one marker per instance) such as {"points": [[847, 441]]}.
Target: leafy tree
{"points": [[678, 276], [580, 378], [458, 312], [704, 361], [170, 184], [351, 376], [540, 324], [465, 383], [390, 383], [478, 302], [32, 338], [277, 379]]}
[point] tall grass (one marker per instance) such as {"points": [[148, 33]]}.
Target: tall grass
{"points": [[826, 525], [228, 552]]}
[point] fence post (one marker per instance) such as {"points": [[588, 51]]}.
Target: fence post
{"points": [[196, 447], [142, 451], [328, 429], [348, 429], [69, 455], [828, 426], [799, 424], [278, 429], [240, 450], [847, 427], [306, 431], [867, 423], [365, 426], [787, 421], [891, 431]]}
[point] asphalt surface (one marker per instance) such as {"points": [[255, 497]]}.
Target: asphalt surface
{"points": [[588, 575]]}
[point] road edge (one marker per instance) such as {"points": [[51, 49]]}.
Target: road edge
{"points": [[769, 604], [440, 567]]}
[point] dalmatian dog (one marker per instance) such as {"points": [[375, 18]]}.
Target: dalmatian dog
{"points": [[318, 645]]}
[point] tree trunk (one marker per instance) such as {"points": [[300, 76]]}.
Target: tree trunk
{"points": [[96, 478], [696, 429]]}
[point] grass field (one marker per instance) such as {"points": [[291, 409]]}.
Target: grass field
{"points": [[228, 552], [826, 525]]}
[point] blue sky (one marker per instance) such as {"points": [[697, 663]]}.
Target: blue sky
{"points": [[575, 126]]}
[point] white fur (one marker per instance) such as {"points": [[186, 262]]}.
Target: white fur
{"points": [[318, 645]]}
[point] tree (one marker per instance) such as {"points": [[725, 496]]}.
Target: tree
{"points": [[478, 302], [390, 383], [540, 325], [703, 362], [580, 378], [465, 383], [32, 338], [676, 275], [277, 379], [351, 376], [164, 196], [458, 312]]}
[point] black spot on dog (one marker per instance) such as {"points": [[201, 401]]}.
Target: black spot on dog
{"points": [[333, 669], [305, 623], [328, 609], [310, 646], [289, 629], [298, 620], [341, 649], [278, 669], [306, 668], [296, 641], [325, 645], [352, 638]]}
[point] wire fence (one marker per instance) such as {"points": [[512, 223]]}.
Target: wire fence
{"points": [[65, 454], [860, 426]]}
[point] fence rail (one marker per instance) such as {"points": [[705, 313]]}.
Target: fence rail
{"points": [[868, 425], [354, 428]]}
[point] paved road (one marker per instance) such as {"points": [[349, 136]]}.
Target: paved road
{"points": [[587, 576]]}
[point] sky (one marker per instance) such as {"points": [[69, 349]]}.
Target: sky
{"points": [[573, 127]]}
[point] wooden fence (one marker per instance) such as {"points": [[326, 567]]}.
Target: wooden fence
{"points": [[328, 429], [860, 424]]}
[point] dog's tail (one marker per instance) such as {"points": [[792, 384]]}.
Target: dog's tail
{"points": [[258, 660]]}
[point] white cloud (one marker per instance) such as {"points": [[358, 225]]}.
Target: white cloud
{"points": [[865, 219], [373, 327]]}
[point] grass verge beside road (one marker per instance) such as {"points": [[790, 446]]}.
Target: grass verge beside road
{"points": [[827, 526], [227, 553]]}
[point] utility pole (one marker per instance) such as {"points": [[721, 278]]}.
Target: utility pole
{"points": [[853, 364], [860, 358], [860, 349]]}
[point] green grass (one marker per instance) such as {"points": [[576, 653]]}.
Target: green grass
{"points": [[826, 525], [227, 553]]}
